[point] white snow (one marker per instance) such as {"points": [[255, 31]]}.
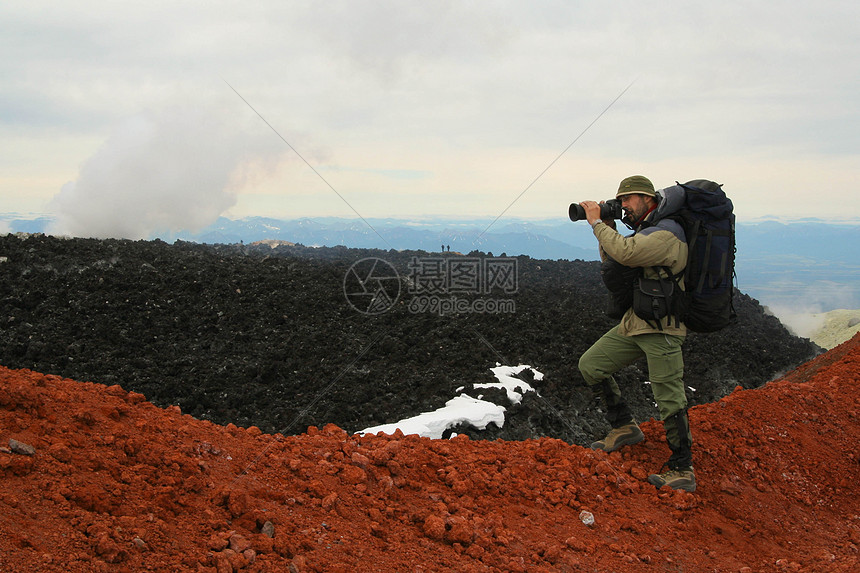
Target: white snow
{"points": [[508, 382], [464, 409], [457, 410]]}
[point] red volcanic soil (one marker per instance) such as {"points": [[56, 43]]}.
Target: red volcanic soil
{"points": [[113, 483]]}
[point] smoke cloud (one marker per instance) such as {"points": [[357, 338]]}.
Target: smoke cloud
{"points": [[805, 312], [163, 171], [800, 321]]}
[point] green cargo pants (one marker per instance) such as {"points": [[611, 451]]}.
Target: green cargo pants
{"points": [[613, 351]]}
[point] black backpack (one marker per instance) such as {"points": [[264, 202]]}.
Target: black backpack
{"points": [[708, 219]]}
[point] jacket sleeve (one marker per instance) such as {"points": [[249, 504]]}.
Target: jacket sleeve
{"points": [[660, 248]]}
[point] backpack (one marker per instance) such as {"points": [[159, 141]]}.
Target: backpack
{"points": [[708, 219]]}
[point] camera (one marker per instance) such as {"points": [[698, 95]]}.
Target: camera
{"points": [[609, 209]]}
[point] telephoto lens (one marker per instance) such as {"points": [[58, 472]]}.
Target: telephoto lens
{"points": [[576, 212], [609, 209]]}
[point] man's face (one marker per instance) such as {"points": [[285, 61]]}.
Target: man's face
{"points": [[635, 205]]}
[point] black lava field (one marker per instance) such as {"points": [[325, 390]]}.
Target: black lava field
{"points": [[264, 336]]}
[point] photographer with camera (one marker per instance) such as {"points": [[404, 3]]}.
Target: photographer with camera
{"points": [[651, 259]]}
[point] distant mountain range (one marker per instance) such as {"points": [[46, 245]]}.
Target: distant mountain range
{"points": [[810, 266], [540, 240]]}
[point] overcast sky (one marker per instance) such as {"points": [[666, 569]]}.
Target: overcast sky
{"points": [[112, 113]]}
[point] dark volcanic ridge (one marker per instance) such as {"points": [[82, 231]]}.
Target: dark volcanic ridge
{"points": [[264, 336]]}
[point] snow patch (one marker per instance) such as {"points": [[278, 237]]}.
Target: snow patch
{"points": [[507, 381], [464, 409], [459, 410]]}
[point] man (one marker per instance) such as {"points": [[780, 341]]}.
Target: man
{"points": [[656, 245]]}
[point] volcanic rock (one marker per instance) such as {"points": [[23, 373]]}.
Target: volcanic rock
{"points": [[775, 491], [264, 337]]}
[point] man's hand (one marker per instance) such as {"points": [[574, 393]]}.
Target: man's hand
{"points": [[592, 213]]}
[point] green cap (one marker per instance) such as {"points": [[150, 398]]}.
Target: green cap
{"points": [[636, 184]]}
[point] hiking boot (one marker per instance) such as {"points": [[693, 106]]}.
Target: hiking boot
{"points": [[675, 479], [617, 438]]}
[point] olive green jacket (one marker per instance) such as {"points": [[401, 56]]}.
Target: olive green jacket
{"points": [[660, 245]]}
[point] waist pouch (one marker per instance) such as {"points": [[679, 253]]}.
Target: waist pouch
{"points": [[653, 298]]}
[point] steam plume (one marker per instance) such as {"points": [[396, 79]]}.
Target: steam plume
{"points": [[170, 170]]}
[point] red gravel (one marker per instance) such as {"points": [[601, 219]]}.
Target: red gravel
{"points": [[117, 484]]}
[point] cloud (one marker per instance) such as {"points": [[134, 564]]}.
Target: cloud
{"points": [[458, 90], [173, 169], [386, 37]]}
